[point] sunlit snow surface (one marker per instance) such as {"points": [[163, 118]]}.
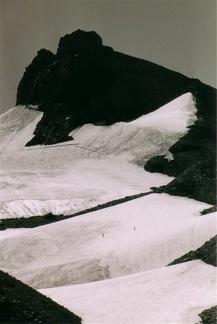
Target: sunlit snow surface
{"points": [[139, 235], [173, 295], [107, 266], [115, 249], [99, 165]]}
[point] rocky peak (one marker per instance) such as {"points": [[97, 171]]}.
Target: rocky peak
{"points": [[87, 82], [72, 43]]}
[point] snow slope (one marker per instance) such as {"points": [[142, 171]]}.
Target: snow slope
{"points": [[99, 165], [104, 244], [175, 294], [107, 266], [119, 277]]}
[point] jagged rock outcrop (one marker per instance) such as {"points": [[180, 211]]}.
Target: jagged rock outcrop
{"points": [[26, 92], [71, 45]]}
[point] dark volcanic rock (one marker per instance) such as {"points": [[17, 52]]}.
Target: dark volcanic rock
{"points": [[209, 316], [209, 210], [20, 303], [70, 45], [87, 82], [194, 163], [26, 92], [194, 171], [206, 253]]}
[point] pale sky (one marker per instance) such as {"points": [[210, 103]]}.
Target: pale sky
{"points": [[177, 34]]}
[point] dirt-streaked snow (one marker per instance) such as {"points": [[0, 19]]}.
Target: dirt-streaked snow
{"points": [[99, 165], [169, 295]]}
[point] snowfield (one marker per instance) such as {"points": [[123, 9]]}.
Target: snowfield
{"points": [[173, 294], [139, 235], [99, 165], [107, 266]]}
